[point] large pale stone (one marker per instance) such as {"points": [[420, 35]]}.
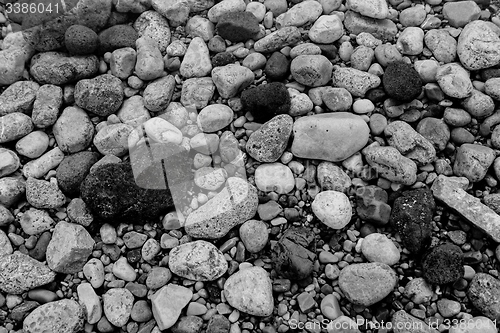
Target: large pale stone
{"points": [[331, 136], [478, 45], [167, 304]]}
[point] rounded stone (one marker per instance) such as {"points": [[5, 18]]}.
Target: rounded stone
{"points": [[311, 70], [332, 208], [268, 143], [80, 40], [378, 248], [443, 264], [402, 82], [254, 235]]}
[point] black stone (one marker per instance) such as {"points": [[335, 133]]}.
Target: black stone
{"points": [[223, 59], [238, 26], [218, 324], [117, 37], [443, 264], [266, 101], [40, 249], [401, 81], [489, 73], [112, 195], [294, 254], [484, 293], [376, 95], [277, 67], [80, 40], [411, 217], [73, 170], [328, 50]]}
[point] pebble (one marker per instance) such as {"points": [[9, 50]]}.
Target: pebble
{"points": [[268, 143], [332, 177], [117, 305], [332, 208], [90, 301], [149, 64], [410, 143], [66, 315], [300, 14], [157, 96], [442, 45], [73, 130], [443, 264], [483, 292], [355, 81], [336, 99], [278, 39], [231, 79], [167, 304], [117, 37], [93, 271], [411, 216], [35, 221], [391, 165], [254, 235], [472, 161], [448, 308], [14, 126], [214, 117], [20, 273], [367, 284], [335, 131], [372, 205], [376, 9], [239, 289], [274, 177], [277, 67], [326, 29], [196, 61], [412, 16], [294, 254], [33, 145], [402, 319], [18, 97], [123, 270], [330, 307], [479, 105], [478, 46], [238, 26], [69, 248], [378, 248], [197, 261], [459, 15], [383, 29], [43, 194], [401, 81], [225, 6], [150, 25], [418, 291], [240, 201], [454, 80]]}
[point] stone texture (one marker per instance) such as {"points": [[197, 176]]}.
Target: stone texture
{"points": [[367, 284], [467, 206], [484, 292], [65, 315], [197, 261], [443, 264], [167, 304], [478, 45], [268, 143], [250, 291]]}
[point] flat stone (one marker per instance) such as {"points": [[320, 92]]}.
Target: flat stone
{"points": [[300, 14], [355, 81], [167, 304], [69, 248], [459, 14], [231, 79], [331, 137], [235, 204], [376, 9], [197, 261], [117, 305], [367, 284], [473, 161], [467, 206], [20, 273], [278, 39], [18, 97], [250, 291], [196, 62], [90, 301], [391, 165], [383, 29], [378, 248], [65, 315]]}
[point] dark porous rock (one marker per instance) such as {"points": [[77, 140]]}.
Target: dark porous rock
{"points": [[223, 59], [411, 217], [401, 81], [443, 264], [294, 254], [73, 170], [376, 95], [111, 193], [238, 26], [277, 67], [218, 324], [59, 68], [188, 324], [117, 37], [102, 95], [80, 40], [269, 142], [484, 293], [266, 101]]}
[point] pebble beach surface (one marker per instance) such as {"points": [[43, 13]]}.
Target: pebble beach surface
{"points": [[242, 166]]}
